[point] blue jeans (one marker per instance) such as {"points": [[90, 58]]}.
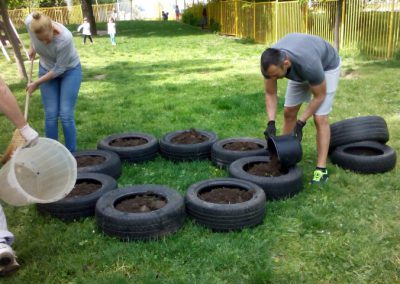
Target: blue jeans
{"points": [[112, 37], [59, 97]]}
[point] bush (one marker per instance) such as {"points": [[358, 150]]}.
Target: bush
{"points": [[189, 18], [214, 26]]}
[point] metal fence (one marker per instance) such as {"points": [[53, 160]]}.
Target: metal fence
{"points": [[63, 15], [371, 27]]}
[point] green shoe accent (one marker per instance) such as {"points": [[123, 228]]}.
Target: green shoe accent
{"points": [[320, 177]]}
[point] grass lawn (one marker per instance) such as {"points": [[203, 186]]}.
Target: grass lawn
{"points": [[167, 76]]}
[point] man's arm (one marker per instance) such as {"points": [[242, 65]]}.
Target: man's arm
{"points": [[319, 94], [271, 98]]}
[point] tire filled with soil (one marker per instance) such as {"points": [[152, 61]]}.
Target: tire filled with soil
{"points": [[366, 157], [81, 201], [141, 212], [187, 145], [133, 147], [98, 161], [225, 151], [226, 204], [277, 182]]}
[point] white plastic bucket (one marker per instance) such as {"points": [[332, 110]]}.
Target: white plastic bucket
{"points": [[41, 174]]}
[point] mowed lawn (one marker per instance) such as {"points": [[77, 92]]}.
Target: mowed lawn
{"points": [[167, 76]]}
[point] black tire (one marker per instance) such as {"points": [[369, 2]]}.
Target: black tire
{"points": [[275, 188], [363, 128], [77, 207], [222, 157], [140, 226], [111, 166], [382, 161], [134, 154], [187, 152], [226, 217]]}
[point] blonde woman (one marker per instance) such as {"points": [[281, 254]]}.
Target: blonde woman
{"points": [[60, 74]]}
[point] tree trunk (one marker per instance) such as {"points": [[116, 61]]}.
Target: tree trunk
{"points": [[13, 38], [87, 12], [338, 22]]}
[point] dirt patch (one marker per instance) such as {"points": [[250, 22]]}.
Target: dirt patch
{"points": [[189, 137], [241, 146], [226, 195], [271, 169], [85, 161], [85, 187], [350, 74], [128, 142], [363, 151], [141, 203], [99, 77]]}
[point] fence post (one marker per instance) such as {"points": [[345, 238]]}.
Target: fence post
{"points": [[307, 8], [254, 20], [276, 20], [390, 42], [236, 18], [221, 21], [342, 23]]}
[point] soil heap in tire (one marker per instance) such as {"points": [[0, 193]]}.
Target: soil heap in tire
{"points": [[187, 145], [277, 183], [133, 147], [225, 151], [98, 161], [226, 204], [81, 201], [140, 212]]}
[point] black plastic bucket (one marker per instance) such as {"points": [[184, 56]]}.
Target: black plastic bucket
{"points": [[287, 148]]}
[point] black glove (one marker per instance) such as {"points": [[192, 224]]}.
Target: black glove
{"points": [[270, 130], [298, 129]]}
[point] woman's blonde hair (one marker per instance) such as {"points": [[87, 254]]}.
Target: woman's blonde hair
{"points": [[40, 23]]}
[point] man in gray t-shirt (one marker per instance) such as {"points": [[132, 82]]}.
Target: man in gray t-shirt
{"points": [[312, 66]]}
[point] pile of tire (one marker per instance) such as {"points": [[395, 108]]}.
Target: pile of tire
{"points": [[359, 144]]}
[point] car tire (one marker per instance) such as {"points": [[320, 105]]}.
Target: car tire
{"points": [[111, 165]]}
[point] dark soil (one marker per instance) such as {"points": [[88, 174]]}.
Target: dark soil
{"points": [[84, 161], [271, 169], [363, 151], [128, 142], [242, 146], [226, 195], [84, 187], [141, 203], [189, 137]]}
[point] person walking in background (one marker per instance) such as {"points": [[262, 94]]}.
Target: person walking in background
{"points": [[177, 13], [204, 20], [111, 30], [9, 106], [85, 27], [60, 75], [165, 15], [312, 66]]}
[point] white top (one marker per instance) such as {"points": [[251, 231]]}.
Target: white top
{"points": [[111, 28], [85, 27]]}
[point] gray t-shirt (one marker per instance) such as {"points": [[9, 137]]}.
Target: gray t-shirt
{"points": [[310, 57], [59, 55]]}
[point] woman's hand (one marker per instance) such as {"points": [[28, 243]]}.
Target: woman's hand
{"points": [[31, 87], [32, 54]]}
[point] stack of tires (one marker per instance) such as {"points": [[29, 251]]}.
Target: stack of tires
{"points": [[359, 144]]}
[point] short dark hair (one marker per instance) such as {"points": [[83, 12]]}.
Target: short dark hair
{"points": [[271, 56]]}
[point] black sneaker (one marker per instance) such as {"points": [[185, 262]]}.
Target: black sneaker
{"points": [[320, 176]]}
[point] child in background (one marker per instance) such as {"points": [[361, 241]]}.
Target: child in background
{"points": [[85, 27], [111, 30]]}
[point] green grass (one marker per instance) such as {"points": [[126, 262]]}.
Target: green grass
{"points": [[163, 77]]}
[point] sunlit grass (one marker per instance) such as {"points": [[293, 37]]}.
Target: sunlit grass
{"points": [[169, 76]]}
